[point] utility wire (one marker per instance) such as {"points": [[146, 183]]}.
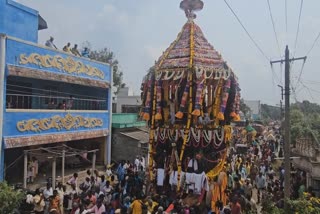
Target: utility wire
{"points": [[274, 28], [244, 28], [313, 44], [301, 70], [298, 28], [281, 74], [274, 74], [286, 17]]}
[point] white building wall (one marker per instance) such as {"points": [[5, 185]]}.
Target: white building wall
{"points": [[123, 98], [255, 106]]}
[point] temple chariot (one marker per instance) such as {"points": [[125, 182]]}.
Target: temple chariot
{"points": [[190, 97]]}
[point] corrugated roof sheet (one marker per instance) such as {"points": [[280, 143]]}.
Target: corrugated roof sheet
{"points": [[141, 136]]}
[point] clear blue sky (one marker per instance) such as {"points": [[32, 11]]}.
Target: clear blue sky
{"points": [[139, 31]]}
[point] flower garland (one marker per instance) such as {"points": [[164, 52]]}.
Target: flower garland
{"points": [[196, 136], [216, 170], [152, 134], [190, 78], [207, 135]]}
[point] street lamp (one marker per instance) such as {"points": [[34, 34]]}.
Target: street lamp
{"points": [[280, 86]]}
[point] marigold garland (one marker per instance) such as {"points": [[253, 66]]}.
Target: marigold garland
{"points": [[190, 77]]}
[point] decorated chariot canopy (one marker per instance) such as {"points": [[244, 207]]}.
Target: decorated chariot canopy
{"points": [[190, 96]]}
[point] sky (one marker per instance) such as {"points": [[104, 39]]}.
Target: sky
{"points": [[138, 31]]}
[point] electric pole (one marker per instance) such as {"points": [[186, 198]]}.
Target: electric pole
{"points": [[287, 165]]}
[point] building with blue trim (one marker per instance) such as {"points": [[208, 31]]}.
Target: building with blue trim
{"points": [[47, 97]]}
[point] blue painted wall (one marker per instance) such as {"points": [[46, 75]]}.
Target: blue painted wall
{"points": [[12, 118], [21, 22], [18, 20], [15, 48]]}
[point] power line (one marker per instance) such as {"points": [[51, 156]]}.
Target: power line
{"points": [[298, 28], [274, 28], [244, 28], [313, 44], [281, 73], [286, 17], [301, 70], [311, 81], [274, 74]]}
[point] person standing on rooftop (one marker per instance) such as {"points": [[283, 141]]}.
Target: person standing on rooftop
{"points": [[50, 44]]}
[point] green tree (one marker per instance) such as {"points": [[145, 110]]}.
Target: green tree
{"points": [[107, 56], [10, 199], [305, 120], [269, 112]]}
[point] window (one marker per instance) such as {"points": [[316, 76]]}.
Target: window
{"points": [[130, 109], [51, 94], [316, 185], [18, 94]]}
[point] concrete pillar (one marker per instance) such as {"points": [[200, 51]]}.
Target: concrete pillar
{"points": [[109, 118], [94, 157], [54, 173], [308, 180], [62, 167], [2, 97], [25, 170]]}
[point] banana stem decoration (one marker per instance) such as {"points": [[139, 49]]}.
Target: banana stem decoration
{"points": [[198, 103], [237, 107], [159, 96], [225, 96], [146, 114], [183, 103]]}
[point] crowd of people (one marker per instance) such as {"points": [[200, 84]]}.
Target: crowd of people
{"points": [[253, 178], [68, 49]]}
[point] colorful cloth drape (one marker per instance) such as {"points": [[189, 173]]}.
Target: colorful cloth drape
{"points": [[224, 99]]}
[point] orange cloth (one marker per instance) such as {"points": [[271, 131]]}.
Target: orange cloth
{"points": [[136, 207], [55, 204]]}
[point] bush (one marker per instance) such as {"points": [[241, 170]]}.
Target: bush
{"points": [[304, 205], [10, 199]]}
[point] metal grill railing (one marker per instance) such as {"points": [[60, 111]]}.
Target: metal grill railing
{"points": [[23, 101]]}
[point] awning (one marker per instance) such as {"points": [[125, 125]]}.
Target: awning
{"points": [[32, 140], [141, 136], [42, 24]]}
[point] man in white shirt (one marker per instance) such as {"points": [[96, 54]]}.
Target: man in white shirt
{"points": [[99, 208], [61, 195], [136, 164], [46, 194], [261, 184], [38, 202], [263, 169]]}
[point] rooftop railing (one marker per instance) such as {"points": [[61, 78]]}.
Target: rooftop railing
{"points": [[23, 101]]}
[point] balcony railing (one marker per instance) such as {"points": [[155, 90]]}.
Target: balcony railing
{"points": [[22, 101]]}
